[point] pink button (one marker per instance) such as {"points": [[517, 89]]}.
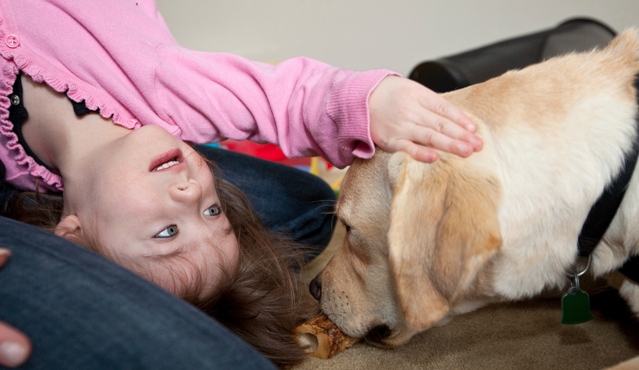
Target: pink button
{"points": [[12, 41]]}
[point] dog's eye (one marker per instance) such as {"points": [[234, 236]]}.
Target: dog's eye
{"points": [[348, 228], [346, 225]]}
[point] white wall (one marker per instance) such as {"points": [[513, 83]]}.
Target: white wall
{"points": [[366, 34]]}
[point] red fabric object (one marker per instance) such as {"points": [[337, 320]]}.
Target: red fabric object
{"points": [[271, 152]]}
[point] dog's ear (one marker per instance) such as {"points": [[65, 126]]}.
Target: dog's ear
{"points": [[443, 228]]}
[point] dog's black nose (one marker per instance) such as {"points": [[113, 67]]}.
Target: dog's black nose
{"points": [[315, 287], [378, 333]]}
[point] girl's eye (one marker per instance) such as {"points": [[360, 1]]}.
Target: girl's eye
{"points": [[169, 232], [212, 211]]}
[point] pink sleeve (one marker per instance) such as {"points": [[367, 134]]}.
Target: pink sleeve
{"points": [[121, 58], [306, 107]]}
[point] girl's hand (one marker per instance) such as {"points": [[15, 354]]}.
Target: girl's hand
{"points": [[406, 116], [15, 347]]}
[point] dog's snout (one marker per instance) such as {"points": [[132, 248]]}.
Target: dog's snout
{"points": [[378, 333], [315, 288]]}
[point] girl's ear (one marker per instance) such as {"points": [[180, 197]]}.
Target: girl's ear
{"points": [[70, 229]]}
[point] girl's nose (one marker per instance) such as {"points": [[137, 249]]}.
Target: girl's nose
{"points": [[185, 191]]}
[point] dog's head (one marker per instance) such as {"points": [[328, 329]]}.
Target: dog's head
{"points": [[416, 236]]}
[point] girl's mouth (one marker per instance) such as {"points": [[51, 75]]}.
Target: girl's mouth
{"points": [[166, 160]]}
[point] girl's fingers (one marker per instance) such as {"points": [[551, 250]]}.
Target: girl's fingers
{"points": [[15, 347], [439, 106], [448, 144], [431, 124], [4, 256], [427, 151], [444, 117]]}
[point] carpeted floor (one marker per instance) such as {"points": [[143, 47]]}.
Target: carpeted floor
{"points": [[524, 335]]}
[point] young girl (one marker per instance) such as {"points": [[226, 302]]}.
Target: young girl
{"points": [[110, 105]]}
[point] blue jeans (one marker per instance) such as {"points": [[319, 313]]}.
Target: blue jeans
{"points": [[82, 311]]}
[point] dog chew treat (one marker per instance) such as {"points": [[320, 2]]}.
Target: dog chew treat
{"points": [[322, 338]]}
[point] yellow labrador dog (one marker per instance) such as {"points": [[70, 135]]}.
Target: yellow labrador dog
{"points": [[426, 242]]}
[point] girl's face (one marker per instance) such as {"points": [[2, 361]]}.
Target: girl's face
{"points": [[150, 204]]}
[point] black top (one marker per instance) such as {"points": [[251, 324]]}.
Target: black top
{"points": [[18, 114]]}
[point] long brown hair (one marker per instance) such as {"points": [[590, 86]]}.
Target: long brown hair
{"points": [[261, 303]]}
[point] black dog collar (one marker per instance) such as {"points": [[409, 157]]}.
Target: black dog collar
{"points": [[602, 213]]}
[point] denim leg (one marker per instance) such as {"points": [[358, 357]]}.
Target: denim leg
{"points": [[288, 200], [82, 311]]}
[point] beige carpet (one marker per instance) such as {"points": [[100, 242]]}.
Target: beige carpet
{"points": [[524, 335]]}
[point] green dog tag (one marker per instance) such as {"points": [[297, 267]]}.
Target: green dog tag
{"points": [[575, 307]]}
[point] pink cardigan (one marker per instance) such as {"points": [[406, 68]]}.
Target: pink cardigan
{"points": [[120, 57]]}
